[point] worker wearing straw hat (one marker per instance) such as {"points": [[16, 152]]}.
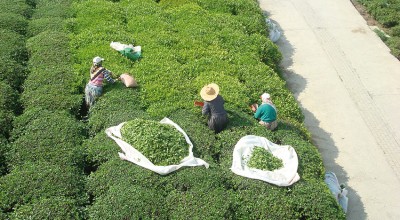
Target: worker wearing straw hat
{"points": [[214, 107]]}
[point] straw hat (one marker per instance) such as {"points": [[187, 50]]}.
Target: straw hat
{"points": [[209, 92]]}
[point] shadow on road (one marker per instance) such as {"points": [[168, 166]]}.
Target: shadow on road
{"points": [[320, 138]]}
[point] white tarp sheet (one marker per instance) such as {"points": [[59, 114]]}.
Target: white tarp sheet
{"points": [[134, 156], [119, 46], [285, 176]]}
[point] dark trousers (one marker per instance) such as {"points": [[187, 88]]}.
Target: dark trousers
{"points": [[218, 122]]}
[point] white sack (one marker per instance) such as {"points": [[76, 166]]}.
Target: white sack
{"points": [[119, 46], [285, 176], [274, 33], [134, 156], [338, 192]]}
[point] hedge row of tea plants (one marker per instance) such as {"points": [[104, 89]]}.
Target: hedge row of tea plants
{"points": [[187, 44], [14, 16], [45, 158], [13, 24], [387, 13]]}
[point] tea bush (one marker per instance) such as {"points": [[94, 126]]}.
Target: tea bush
{"points": [[52, 9], [3, 150], [13, 22], [39, 180], [39, 25], [115, 171], [230, 7], [13, 73], [58, 142], [42, 49], [26, 118], [126, 201], [12, 46], [8, 108], [59, 207], [200, 193], [99, 149], [53, 67], [19, 7], [394, 44]]}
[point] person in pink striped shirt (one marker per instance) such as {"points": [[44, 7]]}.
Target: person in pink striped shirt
{"points": [[94, 88]]}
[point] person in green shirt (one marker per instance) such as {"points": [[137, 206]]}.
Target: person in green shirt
{"points": [[266, 113]]}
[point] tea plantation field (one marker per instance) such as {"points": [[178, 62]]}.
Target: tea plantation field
{"points": [[54, 165]]}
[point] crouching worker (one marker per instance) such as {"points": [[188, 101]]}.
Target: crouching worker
{"points": [[94, 88], [266, 113], [214, 107]]}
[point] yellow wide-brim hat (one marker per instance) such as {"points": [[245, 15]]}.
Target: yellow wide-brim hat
{"points": [[209, 92]]}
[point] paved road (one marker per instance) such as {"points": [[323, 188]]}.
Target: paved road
{"points": [[348, 86]]}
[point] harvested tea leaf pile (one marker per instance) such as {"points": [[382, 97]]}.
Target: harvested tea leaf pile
{"points": [[162, 144], [264, 160]]}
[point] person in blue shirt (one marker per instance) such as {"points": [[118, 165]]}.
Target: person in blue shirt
{"points": [[266, 113]]}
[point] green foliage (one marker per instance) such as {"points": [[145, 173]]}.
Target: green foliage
{"points": [[16, 6], [103, 14], [162, 144], [50, 62], [8, 107], [117, 104], [310, 162], [45, 24], [40, 180], [288, 109], [116, 171], [100, 149], [264, 160], [49, 48], [215, 205], [200, 193], [26, 118], [3, 150], [59, 207], [49, 97], [55, 137], [12, 46], [234, 7], [52, 9], [313, 200], [196, 128], [394, 44], [13, 73], [129, 202], [13, 22], [230, 87], [395, 31]]}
